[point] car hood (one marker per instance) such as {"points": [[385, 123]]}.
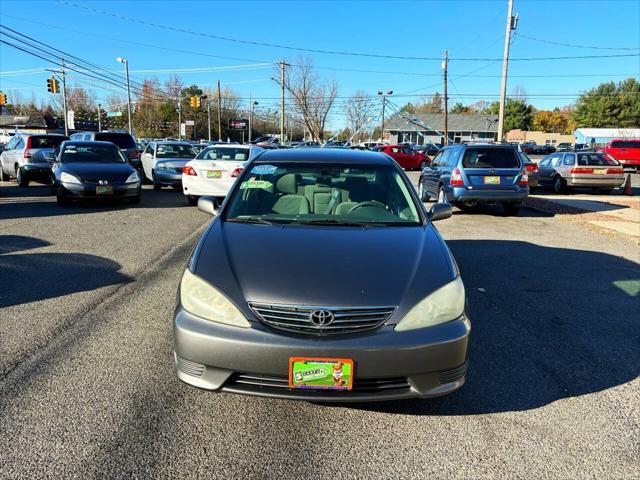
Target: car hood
{"points": [[329, 266], [113, 172]]}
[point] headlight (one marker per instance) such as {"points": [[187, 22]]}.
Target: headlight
{"points": [[201, 299], [68, 178], [443, 305], [133, 178]]}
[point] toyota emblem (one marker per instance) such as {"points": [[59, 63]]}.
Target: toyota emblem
{"points": [[321, 318], [103, 182]]}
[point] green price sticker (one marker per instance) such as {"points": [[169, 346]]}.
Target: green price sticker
{"points": [[263, 184]]}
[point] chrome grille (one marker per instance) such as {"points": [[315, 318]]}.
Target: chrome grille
{"points": [[297, 318]]}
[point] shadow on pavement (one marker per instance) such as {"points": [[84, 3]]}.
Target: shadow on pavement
{"points": [[552, 323], [32, 202], [30, 277]]}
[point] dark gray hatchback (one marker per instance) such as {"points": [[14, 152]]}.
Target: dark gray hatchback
{"points": [[322, 278]]}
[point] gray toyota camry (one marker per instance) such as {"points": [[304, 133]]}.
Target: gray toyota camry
{"points": [[321, 277]]}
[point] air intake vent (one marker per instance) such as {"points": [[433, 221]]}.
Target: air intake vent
{"points": [[331, 320], [449, 376], [188, 367]]}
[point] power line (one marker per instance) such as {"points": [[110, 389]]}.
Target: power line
{"points": [[313, 50], [572, 45]]}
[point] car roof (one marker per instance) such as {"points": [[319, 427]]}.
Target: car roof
{"points": [[318, 155], [86, 142], [169, 142], [232, 145]]}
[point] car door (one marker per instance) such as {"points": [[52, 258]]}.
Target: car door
{"points": [[434, 172], [148, 159], [5, 157], [16, 152]]}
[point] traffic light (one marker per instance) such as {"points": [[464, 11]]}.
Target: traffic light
{"points": [[52, 85], [3, 99], [194, 102]]}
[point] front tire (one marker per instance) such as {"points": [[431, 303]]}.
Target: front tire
{"points": [[21, 178], [156, 185]]}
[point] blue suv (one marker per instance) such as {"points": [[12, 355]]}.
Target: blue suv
{"points": [[470, 174]]}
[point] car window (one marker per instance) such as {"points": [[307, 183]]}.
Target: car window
{"points": [[240, 154], [408, 151], [545, 162], [87, 137], [12, 143], [395, 150], [595, 159], [436, 159], [569, 159], [490, 158], [46, 141], [175, 151], [556, 160], [20, 144], [122, 140], [91, 154], [332, 194]]}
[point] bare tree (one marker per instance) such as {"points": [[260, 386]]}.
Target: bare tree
{"points": [[519, 93], [359, 111], [312, 98]]}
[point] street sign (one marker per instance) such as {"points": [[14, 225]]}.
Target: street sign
{"points": [[238, 124], [114, 114], [190, 123], [183, 130], [71, 120]]}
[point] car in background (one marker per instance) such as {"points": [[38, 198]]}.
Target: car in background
{"points": [[429, 149], [307, 144], [162, 163], [336, 144], [625, 150], [406, 157], [93, 170], [215, 169], [542, 149], [26, 158], [564, 147], [531, 168], [293, 291], [122, 140], [527, 147], [468, 175], [596, 170]]}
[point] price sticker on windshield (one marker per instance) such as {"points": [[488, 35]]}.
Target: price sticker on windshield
{"points": [[262, 184]]}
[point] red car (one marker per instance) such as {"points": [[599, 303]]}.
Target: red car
{"points": [[626, 151], [407, 157]]}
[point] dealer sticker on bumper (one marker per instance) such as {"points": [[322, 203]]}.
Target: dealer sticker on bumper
{"points": [[321, 373]]}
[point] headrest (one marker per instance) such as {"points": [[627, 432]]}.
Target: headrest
{"points": [[288, 183]]}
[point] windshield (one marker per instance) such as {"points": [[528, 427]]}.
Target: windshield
{"points": [[122, 140], [490, 158], [625, 144], [323, 194], [218, 153], [91, 154], [175, 151]]}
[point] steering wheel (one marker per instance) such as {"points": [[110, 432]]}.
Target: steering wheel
{"points": [[368, 203]]}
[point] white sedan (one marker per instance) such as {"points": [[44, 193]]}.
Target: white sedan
{"points": [[215, 169]]}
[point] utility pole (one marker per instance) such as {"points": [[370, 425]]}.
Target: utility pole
{"points": [[446, 99], [384, 104], [209, 118], [179, 119], [64, 99], [99, 117], [219, 113], [126, 68], [251, 105], [511, 25], [282, 65]]}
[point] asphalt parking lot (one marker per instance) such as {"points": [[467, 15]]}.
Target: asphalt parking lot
{"points": [[88, 389]]}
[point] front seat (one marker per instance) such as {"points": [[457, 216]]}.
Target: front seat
{"points": [[358, 191], [289, 202]]}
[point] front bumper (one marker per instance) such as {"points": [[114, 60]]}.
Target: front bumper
{"points": [[169, 178], [465, 194], [88, 190], [40, 171], [428, 362], [198, 186]]}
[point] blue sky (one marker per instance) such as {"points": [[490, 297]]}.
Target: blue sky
{"points": [[467, 29]]}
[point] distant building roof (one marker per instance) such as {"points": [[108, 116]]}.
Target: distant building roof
{"points": [[608, 132], [462, 122]]}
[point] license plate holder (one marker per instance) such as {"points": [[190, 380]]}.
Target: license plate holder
{"points": [[312, 373], [104, 190], [214, 173], [492, 180]]}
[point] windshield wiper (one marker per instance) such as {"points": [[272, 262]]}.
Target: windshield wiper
{"points": [[260, 221], [345, 223]]}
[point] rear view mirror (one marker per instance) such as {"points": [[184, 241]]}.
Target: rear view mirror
{"points": [[440, 211], [208, 205]]}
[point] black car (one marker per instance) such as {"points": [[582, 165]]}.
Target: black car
{"points": [[122, 140], [542, 149], [93, 170]]}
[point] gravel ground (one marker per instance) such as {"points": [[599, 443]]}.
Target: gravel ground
{"points": [[88, 388]]}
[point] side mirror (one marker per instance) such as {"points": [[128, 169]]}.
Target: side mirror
{"points": [[439, 211], [208, 205]]}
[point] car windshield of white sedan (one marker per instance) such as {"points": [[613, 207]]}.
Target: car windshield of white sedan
{"points": [[218, 153], [324, 195], [91, 154], [175, 151]]}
